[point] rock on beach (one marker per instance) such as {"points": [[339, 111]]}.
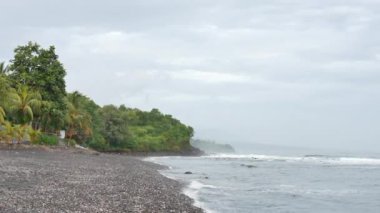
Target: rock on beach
{"points": [[67, 181]]}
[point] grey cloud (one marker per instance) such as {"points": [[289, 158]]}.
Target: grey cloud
{"points": [[302, 73]]}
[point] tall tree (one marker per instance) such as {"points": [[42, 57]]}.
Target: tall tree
{"points": [[41, 71], [115, 126]]}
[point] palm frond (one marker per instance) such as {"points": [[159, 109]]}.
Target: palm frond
{"points": [[28, 112], [2, 115], [3, 68]]}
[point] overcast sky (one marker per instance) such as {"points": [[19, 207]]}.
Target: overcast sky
{"points": [[300, 73]]}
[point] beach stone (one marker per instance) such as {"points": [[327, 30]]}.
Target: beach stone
{"points": [[69, 181]]}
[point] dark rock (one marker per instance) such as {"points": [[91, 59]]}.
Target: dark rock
{"points": [[248, 166], [188, 173]]}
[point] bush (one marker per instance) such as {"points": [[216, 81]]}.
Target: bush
{"points": [[34, 136], [70, 142], [98, 143], [50, 140]]}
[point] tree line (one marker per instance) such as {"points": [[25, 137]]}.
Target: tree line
{"points": [[35, 107]]}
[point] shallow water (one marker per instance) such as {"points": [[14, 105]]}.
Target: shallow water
{"points": [[275, 183]]}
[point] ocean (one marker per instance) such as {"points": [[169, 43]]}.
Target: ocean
{"points": [[278, 183]]}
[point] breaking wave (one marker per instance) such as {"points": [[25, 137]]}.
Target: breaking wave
{"points": [[322, 159], [192, 191]]}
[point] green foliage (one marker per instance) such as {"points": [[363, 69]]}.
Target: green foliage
{"points": [[98, 142], [34, 106], [114, 126], [46, 139], [41, 71], [4, 95], [70, 142], [10, 133], [6, 132], [2, 115], [23, 103], [3, 68], [78, 120], [144, 131], [34, 135], [20, 133]]}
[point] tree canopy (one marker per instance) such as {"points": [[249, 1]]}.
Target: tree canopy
{"points": [[40, 70], [34, 106]]}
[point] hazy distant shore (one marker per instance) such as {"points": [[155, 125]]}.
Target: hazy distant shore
{"points": [[35, 180]]}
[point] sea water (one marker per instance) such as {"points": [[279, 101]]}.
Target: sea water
{"points": [[278, 183]]}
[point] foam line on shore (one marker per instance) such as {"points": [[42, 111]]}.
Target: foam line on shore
{"points": [[191, 189]]}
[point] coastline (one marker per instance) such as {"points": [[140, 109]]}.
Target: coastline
{"points": [[190, 187], [49, 180]]}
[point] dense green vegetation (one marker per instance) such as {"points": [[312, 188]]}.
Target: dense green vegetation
{"points": [[35, 107]]}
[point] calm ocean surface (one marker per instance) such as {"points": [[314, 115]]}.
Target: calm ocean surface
{"points": [[279, 183]]}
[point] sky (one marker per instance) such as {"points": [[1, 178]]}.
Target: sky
{"points": [[290, 73]]}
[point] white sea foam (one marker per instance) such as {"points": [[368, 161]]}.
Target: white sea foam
{"points": [[192, 191], [311, 159], [253, 156], [156, 161], [198, 185], [360, 161]]}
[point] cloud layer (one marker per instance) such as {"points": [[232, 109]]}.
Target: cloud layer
{"points": [[304, 73]]}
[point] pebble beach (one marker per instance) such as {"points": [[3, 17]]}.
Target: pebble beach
{"points": [[77, 181]]}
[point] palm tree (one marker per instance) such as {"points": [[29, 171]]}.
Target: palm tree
{"points": [[4, 96], [23, 102], [7, 132], [77, 120], [20, 133], [2, 115], [2, 123], [3, 68], [4, 88], [33, 135]]}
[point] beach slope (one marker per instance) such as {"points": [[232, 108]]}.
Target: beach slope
{"points": [[68, 181]]}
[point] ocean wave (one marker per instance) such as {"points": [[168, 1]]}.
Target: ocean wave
{"points": [[321, 159], [192, 191], [198, 185], [369, 161], [192, 188]]}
